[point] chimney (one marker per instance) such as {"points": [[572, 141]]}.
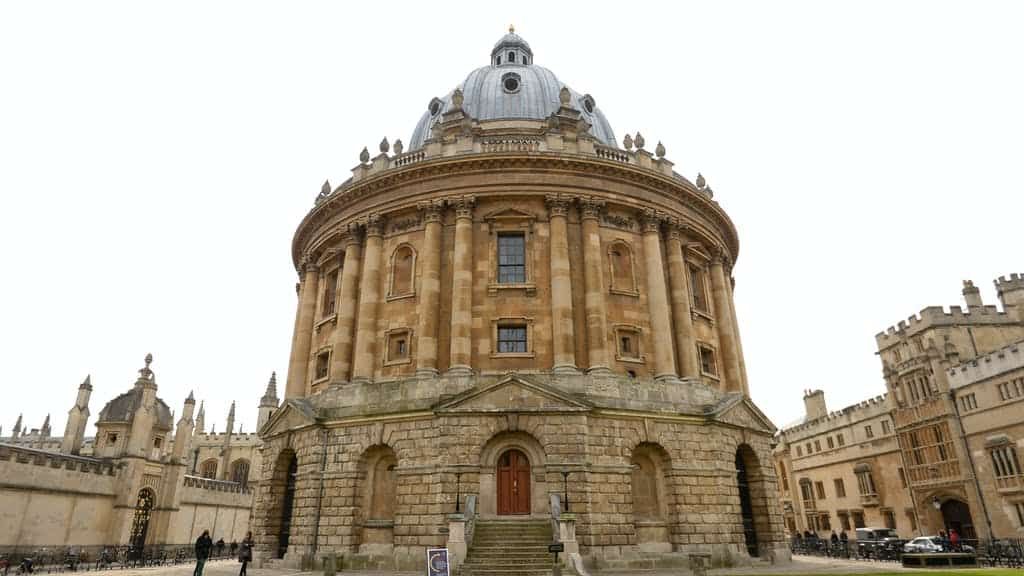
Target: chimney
{"points": [[814, 404], [971, 294]]}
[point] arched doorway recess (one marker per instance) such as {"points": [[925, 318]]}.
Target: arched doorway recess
{"points": [[513, 483]]}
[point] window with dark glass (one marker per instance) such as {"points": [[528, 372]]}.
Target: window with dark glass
{"points": [[511, 339], [511, 259], [323, 364], [330, 294], [707, 361], [697, 293]]}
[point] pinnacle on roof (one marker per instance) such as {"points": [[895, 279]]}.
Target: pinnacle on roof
{"points": [[87, 383], [270, 396]]}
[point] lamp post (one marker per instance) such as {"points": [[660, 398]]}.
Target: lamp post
{"points": [[458, 495], [565, 490]]}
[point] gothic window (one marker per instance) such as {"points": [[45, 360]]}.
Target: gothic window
{"points": [[831, 443], [868, 431], [817, 445], [403, 267], [511, 258], [968, 402], [208, 469], [330, 294], [1005, 462], [240, 471], [799, 451], [620, 264], [865, 482], [839, 439]]}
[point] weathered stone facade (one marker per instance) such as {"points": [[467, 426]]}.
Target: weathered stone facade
{"points": [[950, 427], [516, 310]]}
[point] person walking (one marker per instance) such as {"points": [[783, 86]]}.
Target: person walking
{"points": [[245, 552], [954, 540], [203, 546]]}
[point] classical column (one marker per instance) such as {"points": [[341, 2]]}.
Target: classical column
{"points": [[430, 290], [369, 299], [301, 341], [679, 278], [462, 288], [657, 297], [593, 286], [723, 322], [563, 339], [736, 333], [341, 339]]}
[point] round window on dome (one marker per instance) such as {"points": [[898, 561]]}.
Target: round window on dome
{"points": [[435, 106], [511, 82], [588, 104]]}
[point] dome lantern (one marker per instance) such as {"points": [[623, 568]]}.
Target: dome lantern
{"points": [[511, 50]]}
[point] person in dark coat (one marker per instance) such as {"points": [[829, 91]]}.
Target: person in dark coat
{"points": [[245, 552], [204, 544]]}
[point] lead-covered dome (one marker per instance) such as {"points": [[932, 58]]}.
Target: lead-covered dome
{"points": [[513, 88]]}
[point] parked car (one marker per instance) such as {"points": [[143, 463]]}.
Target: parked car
{"points": [[878, 543], [930, 544]]}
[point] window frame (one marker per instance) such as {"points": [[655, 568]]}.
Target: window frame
{"points": [[326, 352], [702, 347], [507, 222], [392, 295], [633, 331], [509, 322], [389, 336], [632, 289]]}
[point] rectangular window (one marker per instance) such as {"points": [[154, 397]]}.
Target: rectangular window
{"points": [[805, 491], [511, 259], [323, 364], [903, 477], [840, 488], [1004, 391], [968, 402], [808, 448], [1004, 462], [889, 517], [817, 445], [831, 443], [697, 291], [839, 439], [629, 342], [512, 339], [820, 488], [869, 432], [707, 361], [330, 294], [824, 522], [799, 451], [785, 479], [858, 519], [398, 346], [844, 520], [865, 483], [885, 426]]}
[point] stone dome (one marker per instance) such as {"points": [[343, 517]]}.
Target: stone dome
{"points": [[513, 88], [123, 407]]}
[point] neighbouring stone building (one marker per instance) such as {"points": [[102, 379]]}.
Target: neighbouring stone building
{"points": [[139, 480], [950, 427], [513, 312]]}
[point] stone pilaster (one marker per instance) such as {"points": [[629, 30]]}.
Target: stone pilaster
{"points": [[657, 297], [369, 301], [299, 362], [462, 287], [594, 288], [731, 381], [679, 279], [348, 298], [429, 308], [562, 336]]}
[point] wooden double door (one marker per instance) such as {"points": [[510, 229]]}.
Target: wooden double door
{"points": [[513, 483]]}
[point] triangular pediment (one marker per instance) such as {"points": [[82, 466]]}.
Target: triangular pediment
{"points": [[513, 393], [739, 411], [295, 414], [509, 214]]}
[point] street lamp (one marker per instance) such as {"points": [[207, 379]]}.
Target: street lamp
{"points": [[458, 495], [565, 490]]}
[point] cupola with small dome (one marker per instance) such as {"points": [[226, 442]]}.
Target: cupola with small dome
{"points": [[512, 88]]}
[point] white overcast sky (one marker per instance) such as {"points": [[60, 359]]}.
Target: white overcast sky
{"points": [[155, 159]]}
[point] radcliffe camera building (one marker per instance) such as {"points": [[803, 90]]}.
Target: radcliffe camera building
{"points": [[940, 449], [513, 318]]}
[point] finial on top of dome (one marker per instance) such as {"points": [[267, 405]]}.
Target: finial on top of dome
{"points": [[627, 142], [364, 156], [701, 183], [564, 96], [639, 141], [384, 146], [659, 150], [398, 146], [325, 191], [511, 29]]}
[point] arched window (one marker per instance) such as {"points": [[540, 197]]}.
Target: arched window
{"points": [[140, 521], [240, 471], [620, 262], [208, 469], [403, 264]]}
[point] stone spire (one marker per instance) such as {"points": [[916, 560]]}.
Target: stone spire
{"points": [[78, 416], [183, 432], [201, 419], [45, 430], [231, 420], [225, 451], [269, 402], [17, 428]]}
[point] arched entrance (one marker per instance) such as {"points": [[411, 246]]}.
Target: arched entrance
{"points": [[746, 507], [956, 515], [287, 504], [140, 522], [513, 483]]}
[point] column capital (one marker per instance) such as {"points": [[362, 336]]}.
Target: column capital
{"points": [[352, 233], [651, 220], [308, 262], [374, 224], [431, 210], [558, 204], [463, 205], [678, 230], [720, 256], [591, 207]]}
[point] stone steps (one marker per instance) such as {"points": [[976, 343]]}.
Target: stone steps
{"points": [[516, 547]]}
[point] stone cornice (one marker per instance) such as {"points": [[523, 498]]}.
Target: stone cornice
{"points": [[672, 189]]}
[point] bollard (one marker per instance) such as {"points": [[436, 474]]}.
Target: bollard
{"points": [[330, 564]]}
